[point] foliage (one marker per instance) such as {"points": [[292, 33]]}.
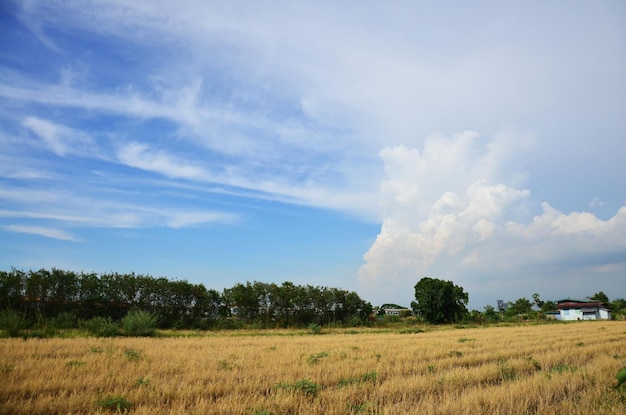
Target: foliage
{"points": [[116, 403], [102, 327], [621, 378], [65, 298], [139, 324], [305, 386], [12, 323], [600, 296], [439, 301]]}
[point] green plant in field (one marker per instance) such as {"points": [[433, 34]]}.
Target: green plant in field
{"points": [[560, 369], [315, 328], [621, 378], [356, 380], [75, 363], [304, 386], [132, 355], [142, 382], [315, 358], [506, 371], [139, 324], [535, 363], [115, 403], [225, 365], [7, 368], [95, 350], [456, 353], [463, 340]]}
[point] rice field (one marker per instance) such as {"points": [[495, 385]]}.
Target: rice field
{"points": [[536, 369]]}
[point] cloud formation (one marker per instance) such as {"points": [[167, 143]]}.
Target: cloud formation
{"points": [[450, 209]]}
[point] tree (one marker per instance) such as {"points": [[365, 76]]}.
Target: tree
{"points": [[538, 301], [439, 301], [601, 296]]}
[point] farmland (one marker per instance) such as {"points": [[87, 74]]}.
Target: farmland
{"points": [[535, 369]]}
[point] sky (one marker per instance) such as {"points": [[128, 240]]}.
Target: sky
{"points": [[361, 145]]}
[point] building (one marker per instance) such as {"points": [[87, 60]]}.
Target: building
{"points": [[575, 309]]}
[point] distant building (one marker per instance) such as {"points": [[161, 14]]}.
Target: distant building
{"points": [[575, 309]]}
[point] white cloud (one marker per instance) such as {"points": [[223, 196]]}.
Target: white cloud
{"points": [[143, 157], [41, 231], [60, 139], [441, 215]]}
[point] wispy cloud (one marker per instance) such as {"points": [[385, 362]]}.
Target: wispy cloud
{"points": [[41, 231], [60, 139]]}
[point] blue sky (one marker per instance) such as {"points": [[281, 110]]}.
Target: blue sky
{"points": [[360, 145]]}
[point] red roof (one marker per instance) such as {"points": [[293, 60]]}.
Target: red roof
{"points": [[574, 304]]}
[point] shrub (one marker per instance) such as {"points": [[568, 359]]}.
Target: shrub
{"points": [[12, 323], [139, 324], [102, 327], [64, 320]]}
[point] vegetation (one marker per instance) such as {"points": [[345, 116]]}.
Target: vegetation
{"points": [[438, 301], [514, 369], [115, 304]]}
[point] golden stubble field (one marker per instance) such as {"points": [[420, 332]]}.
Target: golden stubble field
{"points": [[544, 369]]}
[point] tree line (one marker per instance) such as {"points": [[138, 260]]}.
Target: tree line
{"points": [[75, 297]]}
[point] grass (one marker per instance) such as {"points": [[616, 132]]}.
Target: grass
{"points": [[530, 369]]}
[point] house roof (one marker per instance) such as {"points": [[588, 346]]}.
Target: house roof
{"points": [[573, 304], [575, 300]]}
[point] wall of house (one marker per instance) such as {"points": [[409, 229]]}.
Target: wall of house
{"points": [[572, 314]]}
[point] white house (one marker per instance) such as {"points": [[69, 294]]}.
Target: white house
{"points": [[574, 309]]}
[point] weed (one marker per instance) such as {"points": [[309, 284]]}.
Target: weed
{"points": [[75, 363], [535, 363], [142, 382], [621, 378], [560, 369], [224, 365], [506, 371], [364, 378], [378, 356], [315, 358], [95, 350], [463, 340], [431, 369], [7, 368], [132, 355], [115, 403], [305, 386], [580, 344], [456, 353]]}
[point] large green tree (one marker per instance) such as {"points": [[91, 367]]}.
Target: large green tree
{"points": [[438, 301]]}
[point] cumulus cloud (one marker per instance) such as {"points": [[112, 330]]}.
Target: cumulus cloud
{"points": [[450, 208]]}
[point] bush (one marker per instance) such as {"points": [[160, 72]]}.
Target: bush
{"points": [[102, 327], [64, 320], [12, 323], [139, 324]]}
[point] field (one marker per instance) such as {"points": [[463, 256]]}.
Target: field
{"points": [[535, 369]]}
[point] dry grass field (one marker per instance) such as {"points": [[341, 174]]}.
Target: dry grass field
{"points": [[543, 369]]}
